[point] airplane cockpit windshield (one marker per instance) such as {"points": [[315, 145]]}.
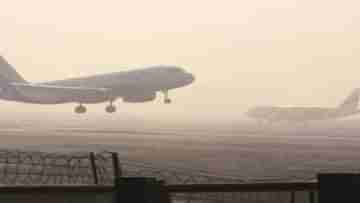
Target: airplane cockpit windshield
{"points": [[175, 70]]}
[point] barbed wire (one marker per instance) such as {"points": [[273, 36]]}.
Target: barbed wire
{"points": [[43, 168], [40, 168]]}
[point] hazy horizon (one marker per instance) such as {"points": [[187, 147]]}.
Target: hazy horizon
{"points": [[247, 53]]}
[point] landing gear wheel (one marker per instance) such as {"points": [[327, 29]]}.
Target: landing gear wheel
{"points": [[110, 109], [167, 100], [80, 109]]}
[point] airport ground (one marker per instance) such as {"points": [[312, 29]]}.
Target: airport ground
{"points": [[242, 149]]}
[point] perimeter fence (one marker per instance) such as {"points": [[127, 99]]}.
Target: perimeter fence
{"points": [[89, 177]]}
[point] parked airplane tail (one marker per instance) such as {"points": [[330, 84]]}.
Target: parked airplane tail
{"points": [[8, 73], [351, 102]]}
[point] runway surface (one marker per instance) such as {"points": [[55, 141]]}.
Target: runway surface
{"points": [[241, 150]]}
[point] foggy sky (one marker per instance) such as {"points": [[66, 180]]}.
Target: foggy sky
{"points": [[243, 53]]}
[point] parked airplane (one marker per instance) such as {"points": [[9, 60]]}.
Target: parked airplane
{"points": [[303, 114], [132, 86]]}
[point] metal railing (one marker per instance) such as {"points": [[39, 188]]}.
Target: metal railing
{"points": [[286, 192], [225, 193]]}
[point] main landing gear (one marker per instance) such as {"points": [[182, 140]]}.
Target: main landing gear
{"points": [[167, 100], [111, 108], [80, 109]]}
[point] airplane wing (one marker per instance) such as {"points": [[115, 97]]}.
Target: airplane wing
{"points": [[61, 93]]}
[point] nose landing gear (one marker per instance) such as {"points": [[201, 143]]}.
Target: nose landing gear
{"points": [[167, 100]]}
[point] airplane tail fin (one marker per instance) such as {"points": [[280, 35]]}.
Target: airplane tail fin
{"points": [[8, 74], [351, 102]]}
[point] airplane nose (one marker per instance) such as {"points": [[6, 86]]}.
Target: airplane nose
{"points": [[191, 78]]}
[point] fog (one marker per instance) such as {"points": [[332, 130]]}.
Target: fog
{"points": [[243, 53]]}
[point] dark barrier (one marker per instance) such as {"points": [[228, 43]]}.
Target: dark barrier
{"points": [[141, 190], [335, 188]]}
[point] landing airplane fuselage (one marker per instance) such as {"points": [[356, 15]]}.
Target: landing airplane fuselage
{"points": [[134, 86]]}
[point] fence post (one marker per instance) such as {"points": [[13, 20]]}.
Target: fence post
{"points": [[292, 197], [93, 168], [164, 193], [116, 165], [312, 197]]}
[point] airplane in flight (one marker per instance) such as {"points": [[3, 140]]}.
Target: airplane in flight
{"points": [[134, 86], [272, 114]]}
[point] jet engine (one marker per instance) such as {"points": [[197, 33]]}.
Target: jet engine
{"points": [[140, 98]]}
